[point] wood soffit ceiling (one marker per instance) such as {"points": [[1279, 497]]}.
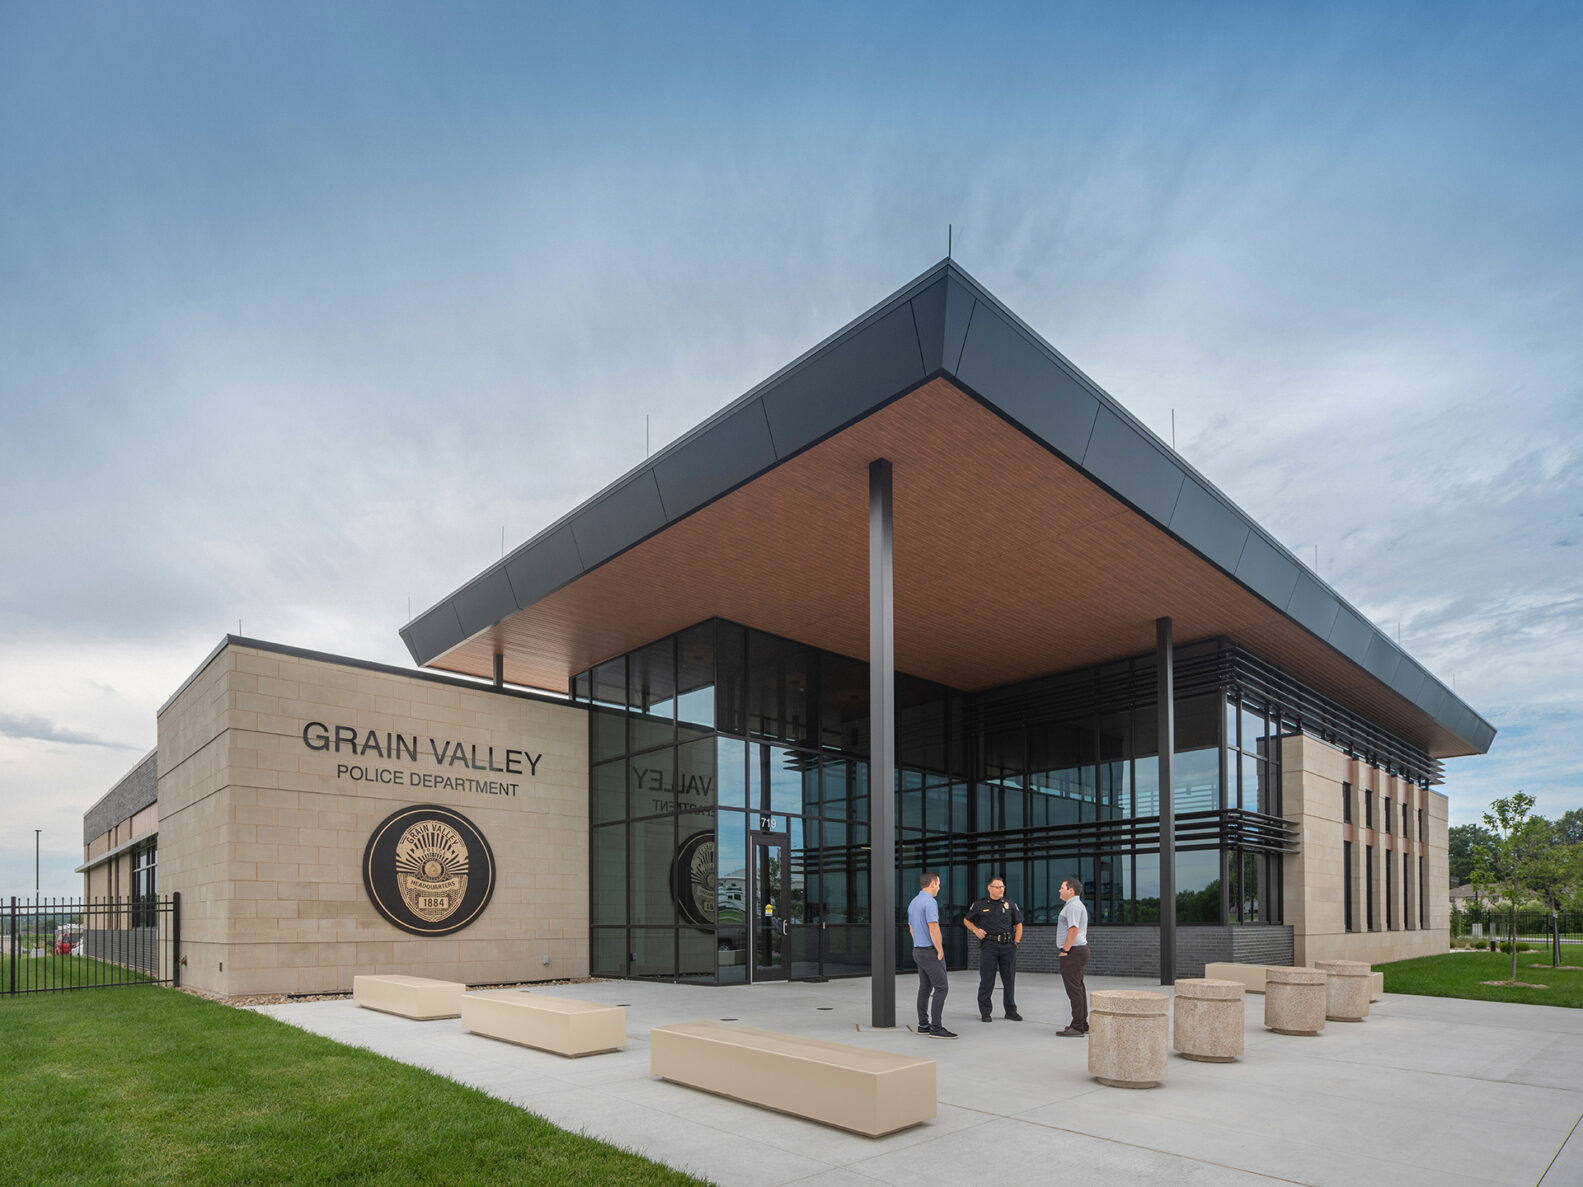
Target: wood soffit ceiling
{"points": [[1009, 564]]}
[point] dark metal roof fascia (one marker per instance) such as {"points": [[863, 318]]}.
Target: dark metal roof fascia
{"points": [[1037, 389]]}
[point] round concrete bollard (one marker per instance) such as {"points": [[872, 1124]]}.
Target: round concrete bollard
{"points": [[1127, 1037], [1348, 989], [1208, 1020], [1294, 1001]]}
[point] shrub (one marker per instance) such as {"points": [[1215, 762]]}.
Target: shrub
{"points": [[1506, 946]]}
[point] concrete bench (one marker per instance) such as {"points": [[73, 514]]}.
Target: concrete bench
{"points": [[1252, 976], [419, 998], [853, 1088], [558, 1024]]}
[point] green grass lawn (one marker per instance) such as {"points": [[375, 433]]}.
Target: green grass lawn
{"points": [[1462, 974], [54, 972], [148, 1085]]}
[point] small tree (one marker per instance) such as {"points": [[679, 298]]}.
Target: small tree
{"points": [[1550, 872], [1512, 869]]}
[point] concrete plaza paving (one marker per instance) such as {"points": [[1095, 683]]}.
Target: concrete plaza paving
{"points": [[1428, 1090]]}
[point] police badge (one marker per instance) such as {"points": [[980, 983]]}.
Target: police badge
{"points": [[428, 870]]}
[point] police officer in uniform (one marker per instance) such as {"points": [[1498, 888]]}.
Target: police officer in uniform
{"points": [[997, 922]]}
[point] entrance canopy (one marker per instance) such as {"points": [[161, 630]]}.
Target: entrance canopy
{"points": [[1038, 528]]}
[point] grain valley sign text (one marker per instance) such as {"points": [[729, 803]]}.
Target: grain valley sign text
{"points": [[441, 753]]}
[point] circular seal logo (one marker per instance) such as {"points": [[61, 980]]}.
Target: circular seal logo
{"points": [[693, 879], [428, 870]]}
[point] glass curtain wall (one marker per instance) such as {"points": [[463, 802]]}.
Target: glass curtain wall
{"points": [[729, 802]]}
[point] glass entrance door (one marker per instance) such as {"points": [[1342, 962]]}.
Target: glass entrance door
{"points": [[770, 903]]}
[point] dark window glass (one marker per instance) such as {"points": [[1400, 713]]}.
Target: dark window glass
{"points": [[610, 684], [1368, 813], [1346, 803], [609, 786], [695, 776], [696, 955], [937, 807], [1146, 888], [1346, 884], [845, 864], [1252, 728], [731, 698], [695, 680], [1368, 886], [1251, 904], [843, 704], [1390, 882], [653, 695], [1115, 772], [652, 854], [920, 723], [653, 782], [1423, 917], [780, 679], [1198, 886], [1198, 723], [607, 955], [1062, 773], [653, 953], [1386, 819], [607, 852], [581, 686]]}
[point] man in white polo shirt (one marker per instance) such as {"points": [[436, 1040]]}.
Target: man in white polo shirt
{"points": [[1073, 930]]}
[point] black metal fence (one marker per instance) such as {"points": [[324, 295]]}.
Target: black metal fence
{"points": [[57, 944], [1532, 926]]}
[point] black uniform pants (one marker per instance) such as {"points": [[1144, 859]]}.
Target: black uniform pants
{"points": [[1072, 966], [997, 956]]}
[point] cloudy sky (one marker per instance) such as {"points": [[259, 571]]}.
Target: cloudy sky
{"points": [[301, 304]]}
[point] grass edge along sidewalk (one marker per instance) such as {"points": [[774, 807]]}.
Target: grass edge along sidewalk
{"points": [[152, 1085], [1463, 975]]}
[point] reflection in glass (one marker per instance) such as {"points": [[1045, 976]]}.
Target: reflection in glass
{"points": [[695, 680], [1198, 886], [1252, 784], [731, 772], [843, 704], [779, 680], [653, 952], [731, 840], [653, 695], [1196, 781]]}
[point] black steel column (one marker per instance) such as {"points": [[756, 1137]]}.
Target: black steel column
{"points": [[882, 746], [1165, 699], [500, 669]]}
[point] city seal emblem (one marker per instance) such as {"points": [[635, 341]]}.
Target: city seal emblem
{"points": [[428, 870]]}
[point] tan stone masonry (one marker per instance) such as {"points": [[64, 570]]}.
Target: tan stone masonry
{"points": [[264, 834]]}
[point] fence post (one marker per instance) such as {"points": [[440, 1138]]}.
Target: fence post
{"points": [[175, 940], [13, 945]]}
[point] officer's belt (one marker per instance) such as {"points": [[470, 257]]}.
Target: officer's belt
{"points": [[1003, 938]]}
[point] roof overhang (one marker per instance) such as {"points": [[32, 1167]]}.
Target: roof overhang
{"points": [[1039, 527]]}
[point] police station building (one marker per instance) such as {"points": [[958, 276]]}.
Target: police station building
{"points": [[926, 598]]}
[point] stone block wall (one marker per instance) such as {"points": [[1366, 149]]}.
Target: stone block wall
{"points": [[264, 834]]}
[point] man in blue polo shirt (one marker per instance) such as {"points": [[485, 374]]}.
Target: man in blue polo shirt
{"points": [[928, 954]]}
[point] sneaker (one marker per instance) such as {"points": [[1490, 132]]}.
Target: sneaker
{"points": [[1066, 1032], [923, 1028], [985, 1018], [940, 1032], [1014, 1017]]}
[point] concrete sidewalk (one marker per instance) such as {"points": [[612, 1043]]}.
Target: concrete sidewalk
{"points": [[1428, 1090]]}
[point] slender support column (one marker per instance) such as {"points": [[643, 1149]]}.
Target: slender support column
{"points": [[500, 669], [882, 745], [1165, 698]]}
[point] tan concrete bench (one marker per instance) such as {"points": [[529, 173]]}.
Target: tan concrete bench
{"points": [[854, 1088], [1252, 976], [558, 1024], [419, 998]]}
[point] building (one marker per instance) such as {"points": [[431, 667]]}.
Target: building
{"points": [[932, 493]]}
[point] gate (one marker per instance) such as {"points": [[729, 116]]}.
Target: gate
{"points": [[57, 944]]}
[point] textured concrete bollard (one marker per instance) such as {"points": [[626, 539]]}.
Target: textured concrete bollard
{"points": [[1294, 1001], [1127, 1037], [1348, 990], [1208, 1019]]}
